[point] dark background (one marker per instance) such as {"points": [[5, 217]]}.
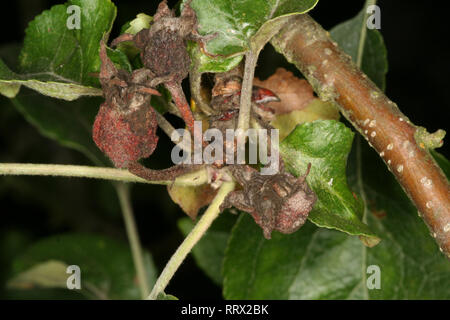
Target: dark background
{"points": [[31, 208]]}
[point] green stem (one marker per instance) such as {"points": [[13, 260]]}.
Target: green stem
{"points": [[189, 242], [258, 41], [192, 179], [251, 57], [195, 80], [123, 193]]}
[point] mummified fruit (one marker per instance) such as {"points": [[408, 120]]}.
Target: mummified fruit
{"points": [[125, 126], [279, 202], [125, 137], [163, 45]]}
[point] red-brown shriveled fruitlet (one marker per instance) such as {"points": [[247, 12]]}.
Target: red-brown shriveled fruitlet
{"points": [[163, 45], [276, 202], [125, 138], [125, 126]]}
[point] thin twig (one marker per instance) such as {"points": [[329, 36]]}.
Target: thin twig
{"points": [[257, 43], [195, 81], [123, 194], [251, 59], [189, 242], [197, 178]]}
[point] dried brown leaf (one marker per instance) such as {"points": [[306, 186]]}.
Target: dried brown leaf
{"points": [[295, 93], [192, 199]]}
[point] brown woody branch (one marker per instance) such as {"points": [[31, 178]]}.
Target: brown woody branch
{"points": [[402, 145]]}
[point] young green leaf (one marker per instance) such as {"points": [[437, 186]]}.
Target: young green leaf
{"points": [[236, 22], [142, 21], [164, 296], [316, 110], [326, 144], [106, 266], [59, 61], [204, 63]]}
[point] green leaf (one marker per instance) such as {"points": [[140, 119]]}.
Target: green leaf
{"points": [[204, 63], [374, 59], [58, 61], [326, 144], [315, 110], [69, 123], [49, 274], [141, 21], [164, 296], [106, 266], [236, 22], [442, 162], [10, 83], [316, 263], [210, 250]]}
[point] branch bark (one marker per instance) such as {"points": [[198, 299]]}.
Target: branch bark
{"points": [[402, 145]]}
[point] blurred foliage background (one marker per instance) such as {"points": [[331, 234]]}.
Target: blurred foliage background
{"points": [[32, 208]]}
